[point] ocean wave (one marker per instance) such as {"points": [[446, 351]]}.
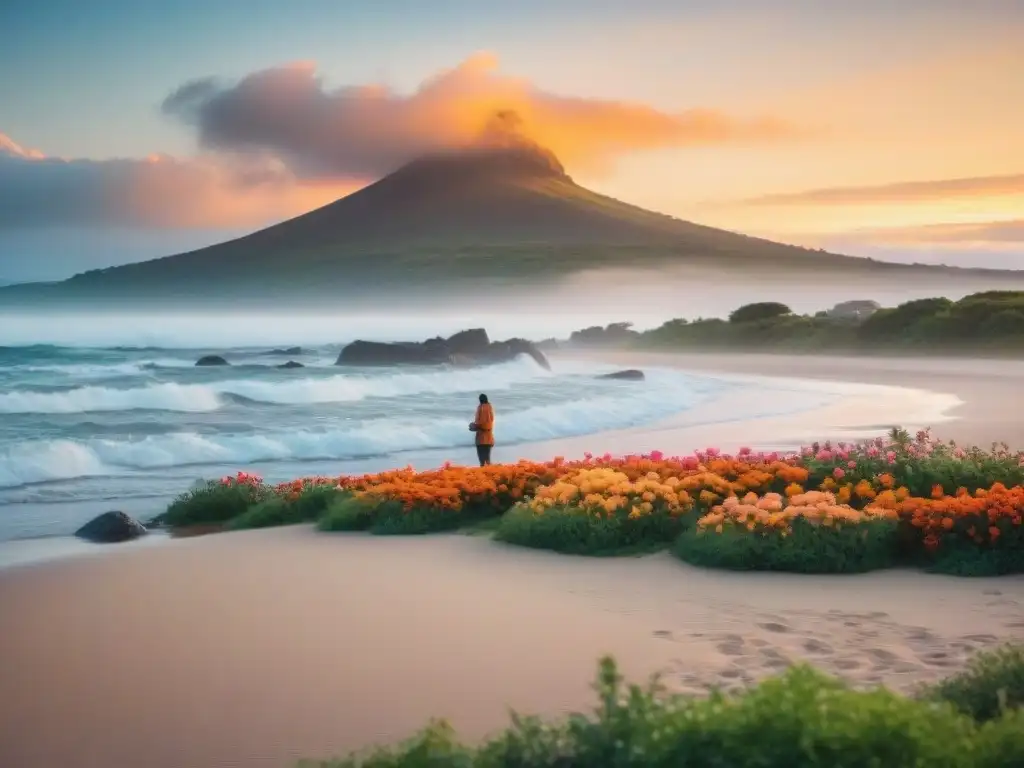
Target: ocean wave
{"points": [[42, 461], [199, 398]]}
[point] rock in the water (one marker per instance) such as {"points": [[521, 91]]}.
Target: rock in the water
{"points": [[631, 374], [471, 347], [212, 360], [472, 342], [111, 527], [381, 353], [285, 352], [291, 364]]}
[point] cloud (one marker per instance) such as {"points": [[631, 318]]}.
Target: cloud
{"points": [[361, 131], [156, 192], [994, 233], [900, 192]]}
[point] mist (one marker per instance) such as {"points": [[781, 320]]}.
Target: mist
{"points": [[645, 298]]}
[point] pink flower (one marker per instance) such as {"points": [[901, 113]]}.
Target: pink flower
{"points": [[824, 455], [588, 456], [851, 464], [746, 450], [873, 451], [657, 455], [714, 452], [838, 473], [959, 453], [890, 456]]}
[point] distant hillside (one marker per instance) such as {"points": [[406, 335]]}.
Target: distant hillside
{"points": [[506, 215]]}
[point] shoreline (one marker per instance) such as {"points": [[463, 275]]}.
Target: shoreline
{"points": [[828, 398]]}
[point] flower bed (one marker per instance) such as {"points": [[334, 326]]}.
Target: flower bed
{"points": [[839, 508], [405, 501], [598, 510], [979, 533], [804, 532]]}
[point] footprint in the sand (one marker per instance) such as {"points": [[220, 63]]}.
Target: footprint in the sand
{"points": [[812, 645], [731, 645], [881, 657], [773, 659], [775, 626], [663, 633], [937, 659], [847, 664]]}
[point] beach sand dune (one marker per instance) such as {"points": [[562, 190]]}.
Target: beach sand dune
{"points": [[258, 648]]}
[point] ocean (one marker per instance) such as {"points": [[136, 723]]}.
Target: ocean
{"points": [[84, 429]]}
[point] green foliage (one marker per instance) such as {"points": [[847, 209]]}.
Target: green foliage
{"points": [[578, 532], [762, 310], [279, 510], [808, 549], [990, 321], [213, 502], [350, 513], [799, 720], [387, 517], [992, 683]]}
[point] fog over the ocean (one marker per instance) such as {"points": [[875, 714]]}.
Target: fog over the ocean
{"points": [[647, 299]]}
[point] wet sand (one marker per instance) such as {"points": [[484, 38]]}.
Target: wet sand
{"points": [[989, 390], [258, 648]]}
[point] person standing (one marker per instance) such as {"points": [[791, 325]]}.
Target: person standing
{"points": [[483, 426]]}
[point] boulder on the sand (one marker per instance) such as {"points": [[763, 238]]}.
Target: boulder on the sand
{"points": [[211, 360], [630, 374], [291, 364], [472, 347], [285, 352], [111, 527]]}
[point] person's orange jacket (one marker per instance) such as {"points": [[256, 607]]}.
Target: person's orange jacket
{"points": [[484, 424]]}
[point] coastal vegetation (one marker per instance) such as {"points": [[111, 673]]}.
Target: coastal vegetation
{"points": [[904, 500], [991, 321], [801, 719]]}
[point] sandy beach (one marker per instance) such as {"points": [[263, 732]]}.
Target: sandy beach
{"points": [[258, 648]]}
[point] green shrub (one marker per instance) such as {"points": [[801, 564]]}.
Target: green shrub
{"points": [[762, 310], [799, 720], [349, 513], [387, 517], [270, 513], [808, 549], [959, 557], [999, 743], [577, 532], [992, 683], [215, 501], [314, 500]]}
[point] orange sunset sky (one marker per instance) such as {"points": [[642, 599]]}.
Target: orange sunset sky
{"points": [[887, 129]]}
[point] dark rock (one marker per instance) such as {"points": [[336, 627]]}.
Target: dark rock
{"points": [[111, 527], [400, 353], [472, 342], [628, 375], [212, 360], [464, 348], [291, 364], [285, 352]]}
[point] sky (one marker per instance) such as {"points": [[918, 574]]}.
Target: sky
{"points": [[885, 129]]}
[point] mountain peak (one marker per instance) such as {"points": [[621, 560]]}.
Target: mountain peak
{"points": [[501, 150]]}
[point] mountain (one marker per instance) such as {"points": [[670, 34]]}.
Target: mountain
{"points": [[504, 215]]}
